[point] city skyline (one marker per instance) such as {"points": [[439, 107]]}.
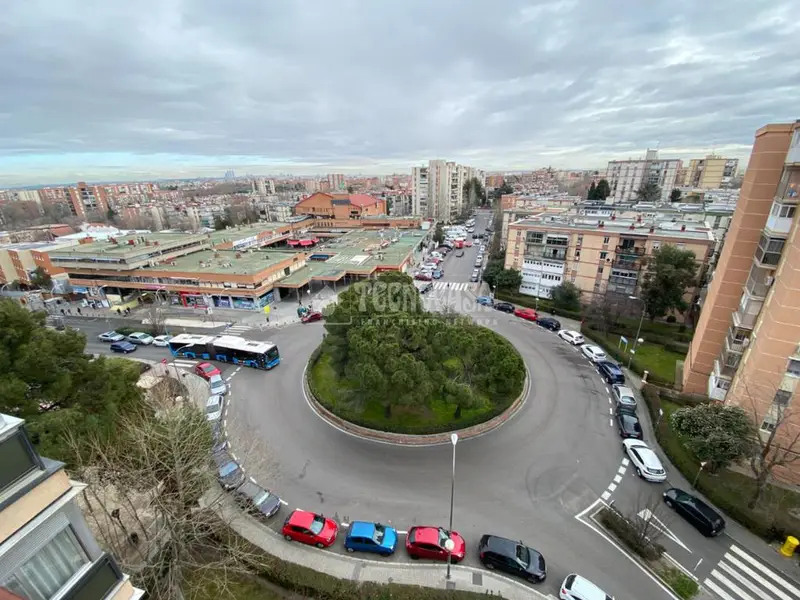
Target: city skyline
{"points": [[184, 90]]}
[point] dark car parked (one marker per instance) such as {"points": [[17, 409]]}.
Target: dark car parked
{"points": [[610, 371], [505, 307], [256, 501], [512, 557], [628, 424], [548, 323], [704, 518], [229, 473], [123, 347]]}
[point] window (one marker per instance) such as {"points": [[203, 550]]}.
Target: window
{"points": [[605, 240], [16, 459], [782, 398], [43, 574], [603, 255], [767, 425], [580, 240], [794, 367], [656, 244], [577, 254], [600, 270]]}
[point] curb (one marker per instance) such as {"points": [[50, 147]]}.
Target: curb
{"points": [[402, 439]]}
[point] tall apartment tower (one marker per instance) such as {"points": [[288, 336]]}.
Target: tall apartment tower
{"points": [[711, 172], [746, 349], [438, 189], [419, 191], [336, 182], [46, 547], [626, 177], [85, 199]]}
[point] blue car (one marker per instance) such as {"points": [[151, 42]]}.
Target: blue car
{"points": [[123, 347], [611, 372], [371, 537], [437, 274], [485, 300]]}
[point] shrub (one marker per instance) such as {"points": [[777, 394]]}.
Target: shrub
{"points": [[683, 585], [671, 319], [629, 535]]}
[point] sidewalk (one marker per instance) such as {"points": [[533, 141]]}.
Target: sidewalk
{"points": [[361, 569]]}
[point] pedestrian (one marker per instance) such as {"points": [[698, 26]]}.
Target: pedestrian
{"points": [[79, 310], [127, 311], [62, 312], [69, 311]]}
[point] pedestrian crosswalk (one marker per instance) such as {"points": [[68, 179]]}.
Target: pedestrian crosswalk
{"points": [[741, 576], [455, 286], [237, 329], [183, 363]]}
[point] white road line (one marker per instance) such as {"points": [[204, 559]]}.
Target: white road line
{"points": [[766, 571], [621, 470], [751, 586], [731, 586], [343, 524], [718, 590], [400, 532], [606, 495], [611, 422], [617, 478], [234, 456], [284, 502], [610, 411], [625, 462], [612, 487]]}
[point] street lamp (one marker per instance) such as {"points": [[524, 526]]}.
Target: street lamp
{"points": [[638, 340], [450, 544]]}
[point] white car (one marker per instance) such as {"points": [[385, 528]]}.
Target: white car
{"points": [[139, 337], [161, 341], [217, 385], [576, 587], [593, 353], [573, 337], [214, 408], [646, 462], [624, 396]]}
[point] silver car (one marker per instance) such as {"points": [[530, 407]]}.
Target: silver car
{"points": [[218, 385], [624, 397]]}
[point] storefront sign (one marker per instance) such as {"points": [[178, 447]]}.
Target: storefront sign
{"points": [[246, 242]]}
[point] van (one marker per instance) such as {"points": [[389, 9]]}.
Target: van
{"points": [[576, 587]]}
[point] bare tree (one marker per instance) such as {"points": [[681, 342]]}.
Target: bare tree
{"points": [[152, 499], [641, 527], [776, 442], [156, 318]]}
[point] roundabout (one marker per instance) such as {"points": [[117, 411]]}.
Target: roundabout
{"points": [[526, 480]]}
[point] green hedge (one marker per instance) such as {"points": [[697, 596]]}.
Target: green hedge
{"points": [[545, 306], [126, 330], [320, 586], [626, 532], [728, 490]]}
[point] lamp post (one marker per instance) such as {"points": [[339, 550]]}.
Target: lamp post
{"points": [[450, 544], [638, 340]]}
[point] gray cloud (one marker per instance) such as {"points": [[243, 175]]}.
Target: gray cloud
{"points": [[359, 84]]}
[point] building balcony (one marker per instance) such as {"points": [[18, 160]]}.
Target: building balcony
{"points": [[793, 156], [758, 282], [626, 263], [630, 251], [768, 253], [746, 315], [778, 225], [725, 365], [717, 387], [737, 340]]}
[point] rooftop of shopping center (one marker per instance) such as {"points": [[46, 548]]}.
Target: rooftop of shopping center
{"points": [[230, 262]]}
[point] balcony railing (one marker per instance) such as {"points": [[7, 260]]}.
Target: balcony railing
{"points": [[626, 264], [726, 364], [714, 391], [736, 344], [630, 250], [757, 286], [97, 582]]}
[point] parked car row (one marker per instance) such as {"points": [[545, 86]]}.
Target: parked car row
{"points": [[126, 344], [645, 461]]}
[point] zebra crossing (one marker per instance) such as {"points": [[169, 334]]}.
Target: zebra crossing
{"points": [[184, 363], [741, 576], [237, 329], [458, 287]]}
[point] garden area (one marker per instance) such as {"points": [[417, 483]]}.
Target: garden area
{"points": [[776, 513], [387, 364]]}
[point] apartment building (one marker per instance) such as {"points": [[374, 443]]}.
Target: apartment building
{"points": [[19, 261], [597, 256], [86, 199], [709, 173], [46, 547], [746, 348], [263, 186], [419, 191], [626, 177], [438, 189], [340, 206], [336, 182]]}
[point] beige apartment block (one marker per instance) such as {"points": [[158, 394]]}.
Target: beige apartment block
{"points": [[598, 256], [747, 264], [755, 351], [711, 172], [46, 547]]}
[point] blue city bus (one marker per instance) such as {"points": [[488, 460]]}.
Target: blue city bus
{"points": [[226, 348]]}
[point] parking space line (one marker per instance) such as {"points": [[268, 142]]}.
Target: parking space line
{"points": [[610, 410], [606, 495], [621, 470], [611, 422], [612, 487], [626, 461], [284, 502], [617, 478]]}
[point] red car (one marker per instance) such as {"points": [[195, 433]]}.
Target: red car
{"points": [[428, 542], [206, 370], [310, 528], [423, 277], [310, 317], [468, 244], [525, 313]]}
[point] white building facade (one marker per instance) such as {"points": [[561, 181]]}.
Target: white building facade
{"points": [[438, 189], [626, 177]]}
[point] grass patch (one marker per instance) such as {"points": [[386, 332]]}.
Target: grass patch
{"points": [[205, 585], [683, 585], [336, 394], [658, 361], [772, 519]]}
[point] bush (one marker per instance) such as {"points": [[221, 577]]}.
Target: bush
{"points": [[627, 533], [126, 330], [683, 585], [671, 319], [618, 355]]}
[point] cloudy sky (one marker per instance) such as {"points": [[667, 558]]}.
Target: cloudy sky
{"points": [[106, 89]]}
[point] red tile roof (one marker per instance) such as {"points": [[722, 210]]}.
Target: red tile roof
{"points": [[362, 200]]}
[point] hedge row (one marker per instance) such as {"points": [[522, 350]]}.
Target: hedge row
{"points": [[728, 491], [627, 533], [309, 583], [545, 306]]}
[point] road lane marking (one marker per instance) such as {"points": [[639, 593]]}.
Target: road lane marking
{"points": [[610, 410], [612, 487], [626, 462], [284, 502], [617, 479], [606, 495], [766, 571], [611, 422], [718, 590], [751, 586], [647, 515], [731, 586], [621, 470]]}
